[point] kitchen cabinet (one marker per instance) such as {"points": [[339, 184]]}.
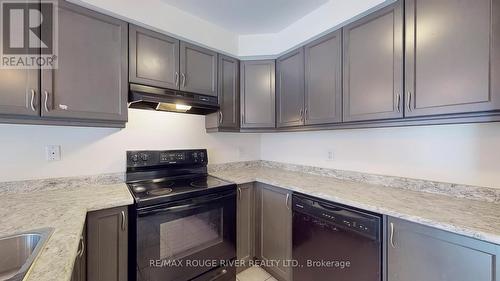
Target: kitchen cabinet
{"points": [[107, 236], [20, 92], [323, 80], [273, 241], [417, 252], [154, 58], [198, 69], [258, 94], [290, 89], [450, 67], [228, 117], [80, 266], [373, 66], [245, 224], [90, 82]]}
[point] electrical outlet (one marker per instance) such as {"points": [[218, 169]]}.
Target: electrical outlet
{"points": [[330, 155], [53, 152]]}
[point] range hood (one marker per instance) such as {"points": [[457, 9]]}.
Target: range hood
{"points": [[160, 99]]}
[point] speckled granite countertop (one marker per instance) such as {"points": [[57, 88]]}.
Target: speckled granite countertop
{"points": [[64, 210], [473, 218]]}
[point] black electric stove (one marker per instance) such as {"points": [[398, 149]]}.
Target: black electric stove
{"points": [[180, 214]]}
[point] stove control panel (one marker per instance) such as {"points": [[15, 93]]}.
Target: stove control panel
{"points": [[146, 158]]}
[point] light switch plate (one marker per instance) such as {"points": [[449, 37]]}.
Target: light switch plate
{"points": [[53, 152]]}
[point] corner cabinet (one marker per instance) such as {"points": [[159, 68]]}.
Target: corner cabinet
{"points": [[323, 80], [228, 117], [273, 239], [90, 82], [453, 68], [416, 253], [258, 94], [107, 245], [290, 89], [245, 224], [373, 66]]}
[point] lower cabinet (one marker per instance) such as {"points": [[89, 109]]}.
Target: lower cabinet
{"points": [[245, 224], [273, 229], [107, 245], [417, 252], [80, 267]]}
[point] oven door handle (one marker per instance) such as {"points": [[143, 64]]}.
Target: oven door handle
{"points": [[194, 203]]}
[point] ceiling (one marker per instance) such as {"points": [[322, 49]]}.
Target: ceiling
{"points": [[249, 16]]}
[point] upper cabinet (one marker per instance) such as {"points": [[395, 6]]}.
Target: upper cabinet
{"points": [[228, 117], [198, 70], [323, 80], [154, 58], [258, 94], [290, 89], [20, 92], [91, 80], [373, 66], [452, 56]]}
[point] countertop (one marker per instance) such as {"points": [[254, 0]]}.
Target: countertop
{"points": [[473, 218], [64, 210]]}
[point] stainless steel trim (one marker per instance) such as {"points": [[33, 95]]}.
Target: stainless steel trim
{"points": [[391, 238], [223, 272], [183, 82], [286, 201], [32, 102], [176, 79], [123, 220], [45, 104]]}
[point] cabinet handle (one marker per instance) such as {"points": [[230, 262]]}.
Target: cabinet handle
{"points": [[221, 117], [82, 248], [398, 102], [183, 82], [176, 78], [239, 193], [286, 200], [391, 238], [32, 102], [409, 101], [301, 113], [123, 220], [305, 114], [45, 104]]}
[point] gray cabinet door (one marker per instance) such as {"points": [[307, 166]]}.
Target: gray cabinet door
{"points": [[229, 92], [107, 240], [198, 69], [323, 80], [290, 89], [91, 80], [245, 224], [453, 66], [417, 252], [373, 66], [154, 58], [258, 94], [274, 228], [20, 95]]}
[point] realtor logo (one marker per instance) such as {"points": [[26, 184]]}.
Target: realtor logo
{"points": [[28, 34]]}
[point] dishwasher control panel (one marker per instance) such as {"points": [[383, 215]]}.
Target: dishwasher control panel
{"points": [[340, 216]]}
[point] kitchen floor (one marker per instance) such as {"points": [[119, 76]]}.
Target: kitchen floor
{"points": [[254, 273]]}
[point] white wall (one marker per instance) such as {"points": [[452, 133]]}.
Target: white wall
{"points": [[89, 151], [168, 19], [467, 154]]}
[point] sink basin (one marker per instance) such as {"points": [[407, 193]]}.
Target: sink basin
{"points": [[19, 251]]}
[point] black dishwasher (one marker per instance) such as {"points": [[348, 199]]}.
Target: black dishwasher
{"points": [[335, 242]]}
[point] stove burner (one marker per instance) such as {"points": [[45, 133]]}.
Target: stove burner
{"points": [[161, 191], [204, 183]]}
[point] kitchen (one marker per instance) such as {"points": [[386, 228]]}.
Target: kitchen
{"points": [[251, 140]]}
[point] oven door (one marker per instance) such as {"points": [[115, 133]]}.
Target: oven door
{"points": [[184, 239]]}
